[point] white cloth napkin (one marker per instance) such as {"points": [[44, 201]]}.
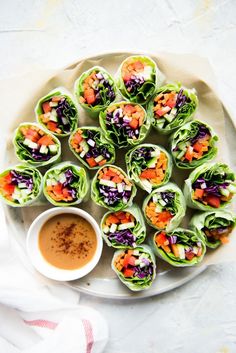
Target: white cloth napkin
{"points": [[38, 316]]}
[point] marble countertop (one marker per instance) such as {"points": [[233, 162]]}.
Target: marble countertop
{"points": [[199, 317]]}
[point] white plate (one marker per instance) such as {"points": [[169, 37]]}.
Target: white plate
{"points": [[102, 281]]}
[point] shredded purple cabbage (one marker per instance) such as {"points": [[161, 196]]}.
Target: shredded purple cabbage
{"points": [[125, 237], [168, 197], [172, 239], [64, 110], [134, 84], [144, 152], [69, 177], [103, 89], [202, 132], [181, 99], [144, 271], [211, 187], [19, 178], [112, 196]]}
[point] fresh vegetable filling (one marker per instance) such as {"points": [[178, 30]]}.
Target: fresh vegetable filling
{"points": [[114, 186], [62, 186], [58, 114], [172, 245], [17, 187], [167, 105], [152, 165], [40, 146], [214, 187], [160, 209], [134, 74], [124, 122], [195, 147], [118, 228], [89, 147], [134, 264], [215, 234], [97, 89]]}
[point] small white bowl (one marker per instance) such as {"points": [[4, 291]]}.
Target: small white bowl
{"points": [[36, 257]]}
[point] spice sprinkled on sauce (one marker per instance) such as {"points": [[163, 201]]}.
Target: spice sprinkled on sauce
{"points": [[67, 241]]}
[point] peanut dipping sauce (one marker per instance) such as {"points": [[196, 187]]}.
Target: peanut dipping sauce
{"points": [[67, 241]]}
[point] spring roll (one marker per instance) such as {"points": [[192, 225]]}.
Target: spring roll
{"points": [[135, 268], [123, 229], [210, 186], [112, 189], [138, 78], [65, 184], [180, 248], [20, 185], [35, 146], [165, 207], [193, 144], [171, 107], [57, 112], [95, 89], [124, 124], [149, 165], [214, 227], [91, 148]]}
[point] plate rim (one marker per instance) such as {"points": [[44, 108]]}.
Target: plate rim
{"points": [[197, 270]]}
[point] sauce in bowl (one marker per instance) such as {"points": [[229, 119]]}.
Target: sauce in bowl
{"points": [[67, 241]]}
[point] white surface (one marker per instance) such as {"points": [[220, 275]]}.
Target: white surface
{"points": [[199, 317]]}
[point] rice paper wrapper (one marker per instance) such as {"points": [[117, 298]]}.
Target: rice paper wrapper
{"points": [[136, 284], [37, 185], [133, 164], [114, 135], [184, 114], [188, 190], [186, 133], [94, 111], [81, 185], [193, 71], [98, 198], [179, 206], [139, 230], [72, 116], [212, 220], [149, 87], [25, 156], [186, 237]]}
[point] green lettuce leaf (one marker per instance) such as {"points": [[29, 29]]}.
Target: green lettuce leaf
{"points": [[218, 173], [184, 114], [136, 283], [146, 91], [94, 110], [71, 113], [116, 135], [80, 182], [100, 141], [183, 137], [141, 157], [176, 205], [139, 230], [212, 220], [24, 154], [37, 179], [186, 238]]}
